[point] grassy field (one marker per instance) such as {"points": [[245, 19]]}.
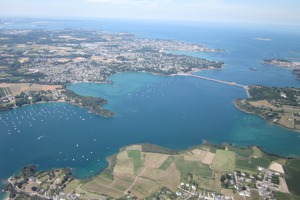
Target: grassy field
{"points": [[17, 88], [167, 162], [144, 187], [252, 162], [102, 189], [193, 167], [210, 147], [208, 184], [257, 152], [154, 160], [2, 93], [224, 160], [245, 165], [292, 169], [245, 152], [285, 196], [137, 159], [262, 162]]}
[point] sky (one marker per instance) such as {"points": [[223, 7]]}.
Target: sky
{"points": [[254, 11]]}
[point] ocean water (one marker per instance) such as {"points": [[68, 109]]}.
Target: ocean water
{"points": [[175, 112]]}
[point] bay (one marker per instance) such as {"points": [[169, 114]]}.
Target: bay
{"points": [[175, 112]]}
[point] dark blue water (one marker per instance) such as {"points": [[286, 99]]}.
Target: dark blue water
{"points": [[175, 112]]}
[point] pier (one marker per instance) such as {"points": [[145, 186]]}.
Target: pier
{"points": [[245, 87]]}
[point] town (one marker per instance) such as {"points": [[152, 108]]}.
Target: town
{"points": [[64, 56]]}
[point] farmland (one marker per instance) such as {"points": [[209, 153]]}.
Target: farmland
{"points": [[141, 171], [224, 161]]}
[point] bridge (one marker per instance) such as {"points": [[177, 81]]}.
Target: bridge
{"points": [[245, 87]]}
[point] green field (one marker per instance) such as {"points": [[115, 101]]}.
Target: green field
{"points": [[2, 93], [193, 167], [212, 148], [262, 162], [257, 152], [245, 152], [207, 183], [224, 160], [252, 163], [167, 163], [285, 196], [292, 169], [245, 165], [137, 159]]}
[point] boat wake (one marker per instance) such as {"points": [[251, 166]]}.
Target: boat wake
{"points": [[42, 136]]}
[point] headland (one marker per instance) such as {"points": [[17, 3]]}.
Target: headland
{"points": [[279, 106], [14, 95], [294, 66], [148, 171]]}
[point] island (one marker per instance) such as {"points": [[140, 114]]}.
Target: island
{"points": [[14, 95], [146, 171], [279, 106], [295, 66]]}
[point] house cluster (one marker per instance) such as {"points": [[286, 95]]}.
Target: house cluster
{"points": [[269, 183], [265, 182], [187, 191], [7, 99]]}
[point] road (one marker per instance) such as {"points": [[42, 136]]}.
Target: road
{"points": [[245, 87]]}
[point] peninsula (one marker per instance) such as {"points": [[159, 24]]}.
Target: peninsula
{"points": [[148, 171], [14, 95], [294, 66], [32, 60], [278, 106], [69, 56]]}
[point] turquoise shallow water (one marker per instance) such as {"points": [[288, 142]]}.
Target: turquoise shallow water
{"points": [[175, 112]]}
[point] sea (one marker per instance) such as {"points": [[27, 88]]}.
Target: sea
{"points": [[174, 112]]}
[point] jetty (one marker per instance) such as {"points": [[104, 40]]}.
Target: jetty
{"points": [[245, 87]]}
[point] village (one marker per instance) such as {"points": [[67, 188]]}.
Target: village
{"points": [[244, 185]]}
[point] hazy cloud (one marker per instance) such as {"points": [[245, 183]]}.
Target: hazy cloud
{"points": [[275, 11]]}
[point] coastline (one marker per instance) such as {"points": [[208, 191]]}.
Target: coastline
{"points": [[252, 113], [281, 63], [6, 196], [95, 108], [157, 150], [194, 70]]}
